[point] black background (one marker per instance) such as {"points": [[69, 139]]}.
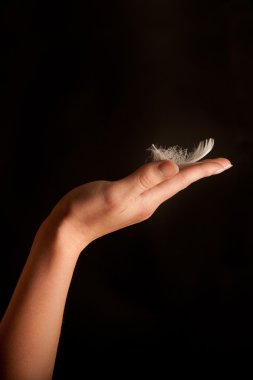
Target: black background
{"points": [[86, 88]]}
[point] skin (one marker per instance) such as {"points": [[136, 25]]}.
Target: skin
{"points": [[31, 326]]}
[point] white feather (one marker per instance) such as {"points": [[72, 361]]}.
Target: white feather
{"points": [[181, 156]]}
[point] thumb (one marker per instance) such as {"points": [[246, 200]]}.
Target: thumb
{"points": [[147, 176]]}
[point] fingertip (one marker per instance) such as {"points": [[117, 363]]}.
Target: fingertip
{"points": [[225, 162], [228, 166]]}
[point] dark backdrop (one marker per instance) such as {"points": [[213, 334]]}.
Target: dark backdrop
{"points": [[86, 88]]}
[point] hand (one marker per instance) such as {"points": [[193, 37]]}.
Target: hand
{"points": [[98, 208], [31, 326]]}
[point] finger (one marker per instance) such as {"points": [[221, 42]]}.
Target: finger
{"points": [[146, 177], [222, 161], [183, 179]]}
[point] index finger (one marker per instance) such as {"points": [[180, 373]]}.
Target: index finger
{"points": [[185, 177]]}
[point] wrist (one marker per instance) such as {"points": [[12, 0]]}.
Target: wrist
{"points": [[58, 231]]}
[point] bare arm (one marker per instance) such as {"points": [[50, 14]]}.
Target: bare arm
{"points": [[30, 329]]}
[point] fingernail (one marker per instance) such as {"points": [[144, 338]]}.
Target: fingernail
{"points": [[165, 169], [223, 169]]}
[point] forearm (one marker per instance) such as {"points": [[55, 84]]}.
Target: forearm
{"points": [[30, 329]]}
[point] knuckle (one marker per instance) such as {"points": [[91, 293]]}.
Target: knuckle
{"points": [[206, 172], [184, 180], [111, 197], [144, 180], [145, 214]]}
